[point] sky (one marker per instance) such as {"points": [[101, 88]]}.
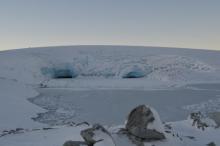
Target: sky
{"points": [[167, 23]]}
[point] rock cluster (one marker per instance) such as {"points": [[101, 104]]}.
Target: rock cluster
{"points": [[143, 124], [93, 137], [197, 121], [202, 121]]}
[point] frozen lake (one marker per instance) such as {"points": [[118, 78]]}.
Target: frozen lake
{"points": [[112, 106]]}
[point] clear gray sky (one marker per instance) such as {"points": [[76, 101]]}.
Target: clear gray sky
{"points": [[174, 23]]}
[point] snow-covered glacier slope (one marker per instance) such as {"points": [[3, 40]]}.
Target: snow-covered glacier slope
{"points": [[153, 64]]}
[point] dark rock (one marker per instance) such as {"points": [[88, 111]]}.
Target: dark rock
{"points": [[19, 129], [211, 144], [145, 124], [83, 123], [198, 120], [74, 143]]}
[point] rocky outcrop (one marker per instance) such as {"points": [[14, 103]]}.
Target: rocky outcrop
{"points": [[143, 122], [97, 135]]}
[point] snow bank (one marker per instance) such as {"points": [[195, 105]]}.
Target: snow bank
{"points": [[15, 110], [181, 134], [54, 137]]}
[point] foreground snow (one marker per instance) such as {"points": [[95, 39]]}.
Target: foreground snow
{"points": [[181, 134]]}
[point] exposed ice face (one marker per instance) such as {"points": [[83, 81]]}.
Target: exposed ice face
{"points": [[64, 70], [177, 68], [133, 72], [115, 63], [156, 67]]}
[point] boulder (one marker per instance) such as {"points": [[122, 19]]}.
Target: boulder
{"points": [[144, 123], [97, 135], [74, 143]]}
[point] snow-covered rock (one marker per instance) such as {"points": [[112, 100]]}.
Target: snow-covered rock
{"points": [[143, 122], [97, 136], [201, 121]]}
